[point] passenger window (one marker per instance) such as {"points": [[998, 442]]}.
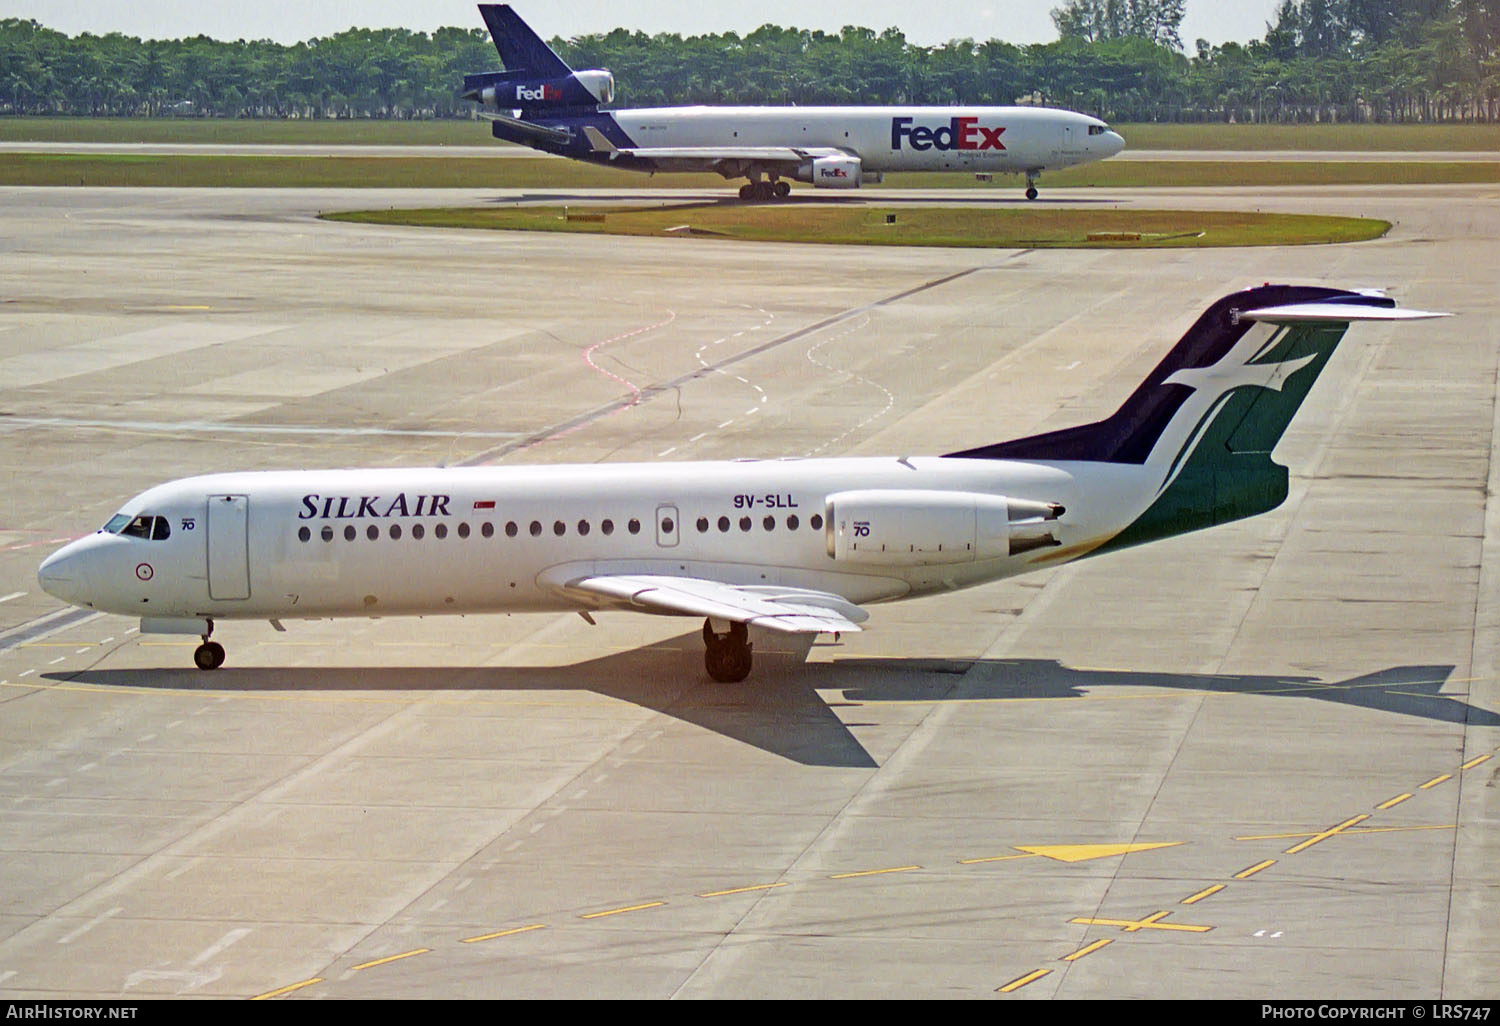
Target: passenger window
{"points": [[463, 530], [303, 534], [536, 528], [559, 528], [816, 523], [769, 523], [417, 531], [792, 523], [634, 527], [608, 527], [744, 523], [395, 532], [440, 531], [583, 527], [372, 532], [702, 525], [349, 533], [488, 530], [723, 524], [327, 533]]}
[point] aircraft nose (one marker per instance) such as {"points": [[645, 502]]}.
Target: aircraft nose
{"points": [[61, 575], [1114, 142]]}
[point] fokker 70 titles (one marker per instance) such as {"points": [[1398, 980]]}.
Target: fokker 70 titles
{"points": [[539, 101], [793, 546]]}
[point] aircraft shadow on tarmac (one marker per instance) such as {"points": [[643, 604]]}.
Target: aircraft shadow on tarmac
{"points": [[779, 709], [684, 201]]}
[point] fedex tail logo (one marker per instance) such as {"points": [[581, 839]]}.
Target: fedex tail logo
{"points": [[541, 92], [958, 134]]}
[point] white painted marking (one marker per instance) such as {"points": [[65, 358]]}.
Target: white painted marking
{"points": [[697, 436], [228, 940], [666, 452], [57, 660], [1070, 366], [69, 938], [27, 672], [87, 766], [12, 595], [724, 425]]}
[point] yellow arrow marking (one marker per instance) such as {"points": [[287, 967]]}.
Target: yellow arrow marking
{"points": [[1085, 852]]}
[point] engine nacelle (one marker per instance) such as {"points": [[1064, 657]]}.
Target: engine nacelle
{"points": [[503, 91], [840, 172], [889, 527]]}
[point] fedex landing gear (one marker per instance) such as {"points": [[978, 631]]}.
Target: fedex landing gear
{"points": [[728, 655], [1031, 177], [771, 190], [210, 654]]}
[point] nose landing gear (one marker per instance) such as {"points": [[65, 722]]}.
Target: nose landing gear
{"points": [[727, 656], [210, 654]]}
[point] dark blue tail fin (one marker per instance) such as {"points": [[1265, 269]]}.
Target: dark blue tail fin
{"points": [[520, 48]]}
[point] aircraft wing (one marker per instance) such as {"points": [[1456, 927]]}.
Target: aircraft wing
{"points": [[710, 158], [789, 610]]}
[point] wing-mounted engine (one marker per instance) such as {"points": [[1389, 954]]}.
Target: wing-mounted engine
{"points": [[888, 527], [505, 90], [834, 172]]}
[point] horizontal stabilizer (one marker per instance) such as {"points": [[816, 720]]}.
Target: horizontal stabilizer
{"points": [[524, 131], [1333, 313]]}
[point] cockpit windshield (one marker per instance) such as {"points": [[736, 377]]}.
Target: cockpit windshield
{"points": [[144, 526]]}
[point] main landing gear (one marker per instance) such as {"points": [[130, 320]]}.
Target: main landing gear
{"points": [[765, 190], [728, 655], [210, 654]]}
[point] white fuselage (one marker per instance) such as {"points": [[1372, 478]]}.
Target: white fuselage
{"points": [[992, 139], [426, 541]]}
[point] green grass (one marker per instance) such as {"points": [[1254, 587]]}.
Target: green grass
{"points": [[359, 132], [953, 226], [550, 173]]}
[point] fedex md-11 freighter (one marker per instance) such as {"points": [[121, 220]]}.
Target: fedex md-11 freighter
{"points": [[539, 101], [791, 546]]}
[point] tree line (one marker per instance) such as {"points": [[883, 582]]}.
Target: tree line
{"points": [[1320, 60]]}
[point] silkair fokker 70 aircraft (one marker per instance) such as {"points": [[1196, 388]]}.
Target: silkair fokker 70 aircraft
{"points": [[544, 104], [796, 546]]}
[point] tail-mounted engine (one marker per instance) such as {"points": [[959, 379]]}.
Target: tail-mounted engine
{"points": [[504, 90], [888, 527]]}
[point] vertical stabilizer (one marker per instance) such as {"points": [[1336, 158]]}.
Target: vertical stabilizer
{"points": [[520, 48]]}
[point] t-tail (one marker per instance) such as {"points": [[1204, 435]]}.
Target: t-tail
{"points": [[535, 80], [1203, 424]]}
